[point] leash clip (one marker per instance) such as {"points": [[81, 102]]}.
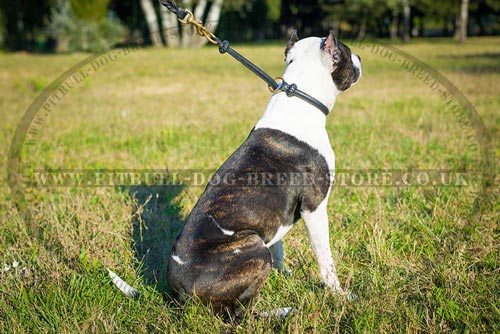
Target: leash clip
{"points": [[200, 29]]}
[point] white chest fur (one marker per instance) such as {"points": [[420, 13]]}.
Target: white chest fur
{"points": [[297, 117]]}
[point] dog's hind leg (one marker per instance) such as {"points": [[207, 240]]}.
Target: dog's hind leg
{"points": [[233, 273], [278, 255]]}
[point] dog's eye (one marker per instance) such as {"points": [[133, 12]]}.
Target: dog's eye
{"points": [[291, 61]]}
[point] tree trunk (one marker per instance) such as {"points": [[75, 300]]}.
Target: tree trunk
{"points": [[13, 25], [406, 21], [170, 28], [461, 24], [336, 25], [213, 17], [152, 21], [362, 27], [482, 30], [394, 26], [421, 27]]}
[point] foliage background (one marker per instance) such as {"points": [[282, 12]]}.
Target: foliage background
{"points": [[37, 25]]}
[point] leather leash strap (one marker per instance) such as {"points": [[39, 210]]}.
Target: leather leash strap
{"points": [[275, 85]]}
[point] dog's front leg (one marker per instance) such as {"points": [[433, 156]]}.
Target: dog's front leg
{"points": [[317, 230]]}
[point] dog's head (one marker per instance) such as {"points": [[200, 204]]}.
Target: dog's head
{"points": [[332, 54]]}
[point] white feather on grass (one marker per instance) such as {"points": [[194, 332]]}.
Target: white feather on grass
{"points": [[123, 286]]}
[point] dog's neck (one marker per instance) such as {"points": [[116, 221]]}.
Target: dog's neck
{"points": [[295, 116]]}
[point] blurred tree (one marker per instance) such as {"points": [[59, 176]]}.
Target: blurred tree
{"points": [[406, 20], [306, 16], [90, 10], [165, 30], [77, 30], [364, 11], [395, 10], [443, 11], [23, 24], [485, 16], [462, 22], [250, 20], [361, 17], [152, 21], [357, 18]]}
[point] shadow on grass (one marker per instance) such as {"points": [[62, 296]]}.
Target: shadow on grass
{"points": [[486, 62], [484, 55], [154, 230]]}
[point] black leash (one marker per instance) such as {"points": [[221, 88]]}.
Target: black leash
{"points": [[274, 85]]}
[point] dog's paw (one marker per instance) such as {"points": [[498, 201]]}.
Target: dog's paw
{"points": [[351, 296]]}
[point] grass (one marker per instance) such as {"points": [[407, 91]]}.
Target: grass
{"points": [[421, 259]]}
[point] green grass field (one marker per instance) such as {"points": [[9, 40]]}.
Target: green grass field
{"points": [[420, 258]]}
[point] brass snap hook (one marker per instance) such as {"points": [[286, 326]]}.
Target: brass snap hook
{"points": [[200, 29]]}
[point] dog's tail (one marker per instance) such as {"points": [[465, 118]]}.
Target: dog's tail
{"points": [[123, 286]]}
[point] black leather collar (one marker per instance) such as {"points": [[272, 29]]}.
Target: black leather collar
{"points": [[292, 90]]}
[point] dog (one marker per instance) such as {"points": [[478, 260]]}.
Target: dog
{"points": [[282, 172]]}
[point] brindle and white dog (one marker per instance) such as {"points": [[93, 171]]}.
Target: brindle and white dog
{"points": [[282, 172]]}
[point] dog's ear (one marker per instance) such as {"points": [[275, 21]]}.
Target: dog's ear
{"points": [[291, 41], [331, 46]]}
